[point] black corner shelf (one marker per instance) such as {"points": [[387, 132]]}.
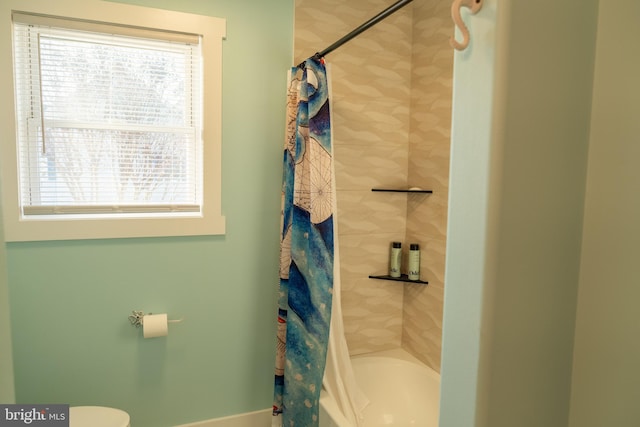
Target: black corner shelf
{"points": [[398, 190], [402, 278]]}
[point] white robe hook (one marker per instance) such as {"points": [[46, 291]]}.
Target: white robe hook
{"points": [[474, 6]]}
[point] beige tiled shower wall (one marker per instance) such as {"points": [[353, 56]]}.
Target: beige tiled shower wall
{"points": [[429, 148], [383, 128]]}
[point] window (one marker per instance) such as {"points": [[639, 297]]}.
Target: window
{"points": [[109, 126]]}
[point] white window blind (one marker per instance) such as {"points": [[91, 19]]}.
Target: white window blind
{"points": [[107, 122]]}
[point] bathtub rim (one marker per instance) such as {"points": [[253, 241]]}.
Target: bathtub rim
{"points": [[402, 357], [395, 353]]}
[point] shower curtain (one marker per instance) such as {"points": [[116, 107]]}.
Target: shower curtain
{"points": [[307, 268]]}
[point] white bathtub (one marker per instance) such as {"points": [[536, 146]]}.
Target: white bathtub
{"points": [[403, 392]]}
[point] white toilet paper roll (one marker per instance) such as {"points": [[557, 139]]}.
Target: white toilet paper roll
{"points": [[155, 325]]}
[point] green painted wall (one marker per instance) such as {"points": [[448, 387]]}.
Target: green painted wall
{"points": [[606, 376], [516, 215], [7, 394], [469, 204], [70, 300]]}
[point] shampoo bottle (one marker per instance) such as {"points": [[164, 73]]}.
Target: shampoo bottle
{"points": [[414, 262], [395, 259]]}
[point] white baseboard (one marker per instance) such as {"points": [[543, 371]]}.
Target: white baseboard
{"points": [[250, 419]]}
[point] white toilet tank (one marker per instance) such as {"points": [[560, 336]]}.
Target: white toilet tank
{"points": [[97, 416]]}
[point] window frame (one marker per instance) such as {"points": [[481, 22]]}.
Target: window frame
{"points": [[209, 221]]}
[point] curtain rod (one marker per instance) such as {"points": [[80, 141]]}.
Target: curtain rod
{"points": [[370, 23]]}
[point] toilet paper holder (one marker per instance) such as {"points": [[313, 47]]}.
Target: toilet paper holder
{"points": [[137, 318]]}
